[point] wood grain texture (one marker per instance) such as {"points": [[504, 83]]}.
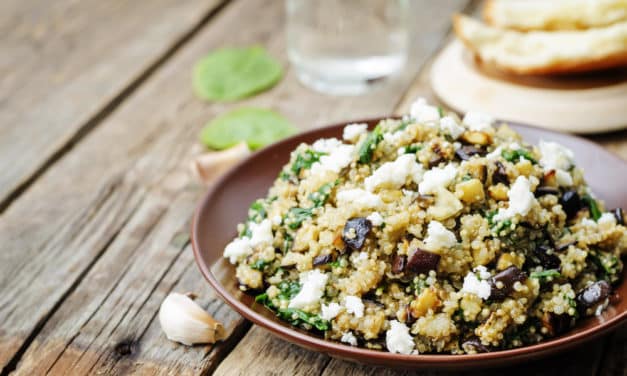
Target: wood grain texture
{"points": [[60, 233], [65, 63]]}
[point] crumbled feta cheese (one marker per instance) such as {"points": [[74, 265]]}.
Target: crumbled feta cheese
{"points": [[313, 283], [397, 338], [477, 121], [375, 218], [358, 197], [335, 161], [587, 222], [438, 237], [326, 145], [362, 256], [606, 221], [353, 131], [238, 250], [349, 338], [450, 126], [495, 154], [276, 220], [436, 179], [261, 233], [521, 199], [400, 151], [483, 272], [423, 113], [393, 137], [329, 312], [394, 174], [555, 156], [563, 178], [473, 285], [354, 305]]}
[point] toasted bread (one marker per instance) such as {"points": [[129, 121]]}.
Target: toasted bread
{"points": [[540, 52], [526, 15]]}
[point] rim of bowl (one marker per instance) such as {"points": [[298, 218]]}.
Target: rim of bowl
{"points": [[285, 331]]}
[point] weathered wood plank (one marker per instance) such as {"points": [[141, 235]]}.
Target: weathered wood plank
{"points": [[65, 63], [49, 249]]}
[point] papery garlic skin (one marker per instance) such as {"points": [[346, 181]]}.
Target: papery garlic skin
{"points": [[206, 167], [184, 321]]}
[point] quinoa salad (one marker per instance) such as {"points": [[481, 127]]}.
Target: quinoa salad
{"points": [[431, 234]]}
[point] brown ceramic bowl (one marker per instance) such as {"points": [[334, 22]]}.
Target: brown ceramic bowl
{"points": [[226, 204]]}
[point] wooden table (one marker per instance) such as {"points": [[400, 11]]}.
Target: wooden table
{"points": [[98, 123]]}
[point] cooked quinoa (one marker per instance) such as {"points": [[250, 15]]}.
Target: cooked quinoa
{"points": [[431, 234]]}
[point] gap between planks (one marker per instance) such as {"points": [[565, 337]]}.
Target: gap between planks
{"points": [[108, 107]]}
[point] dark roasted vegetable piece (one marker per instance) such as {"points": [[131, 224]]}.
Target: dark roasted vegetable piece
{"points": [[321, 260], [544, 190], [619, 215], [507, 278], [422, 261], [500, 174], [435, 160], [589, 298], [571, 203], [398, 265], [556, 324], [544, 256], [564, 246], [466, 152], [476, 345], [355, 232]]}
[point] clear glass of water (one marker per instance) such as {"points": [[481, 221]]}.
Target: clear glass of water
{"points": [[343, 47]]}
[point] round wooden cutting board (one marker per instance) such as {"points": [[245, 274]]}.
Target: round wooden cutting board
{"points": [[590, 103]]}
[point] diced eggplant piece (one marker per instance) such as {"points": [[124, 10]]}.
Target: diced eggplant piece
{"points": [[563, 247], [321, 260], [544, 256], [474, 345], [422, 261], [556, 324], [589, 298], [502, 284], [500, 174], [466, 152], [398, 265], [619, 215], [544, 190], [571, 203], [435, 161], [355, 232]]}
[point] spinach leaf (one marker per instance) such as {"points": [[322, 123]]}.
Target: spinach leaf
{"points": [[296, 216], [305, 160], [320, 197], [370, 144], [413, 148], [297, 317], [595, 213], [260, 264], [288, 289], [545, 274]]}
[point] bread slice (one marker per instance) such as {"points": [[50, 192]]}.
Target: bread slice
{"points": [[541, 52], [528, 15]]}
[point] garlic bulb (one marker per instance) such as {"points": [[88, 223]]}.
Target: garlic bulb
{"points": [[186, 322], [209, 165]]}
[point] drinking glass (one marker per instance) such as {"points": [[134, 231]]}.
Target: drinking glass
{"points": [[343, 47]]}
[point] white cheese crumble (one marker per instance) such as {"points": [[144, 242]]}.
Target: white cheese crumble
{"points": [[439, 237], [423, 113], [338, 158], [473, 285], [521, 199], [483, 272], [436, 179], [587, 222], [329, 312], [276, 220], [450, 126], [312, 283], [394, 174], [397, 338], [358, 197], [353, 131], [477, 121], [563, 178], [349, 338], [555, 156], [375, 218], [606, 221], [494, 154], [261, 233], [238, 250], [354, 305], [326, 145]]}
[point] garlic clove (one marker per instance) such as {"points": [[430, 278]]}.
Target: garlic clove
{"points": [[209, 165], [186, 322]]}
